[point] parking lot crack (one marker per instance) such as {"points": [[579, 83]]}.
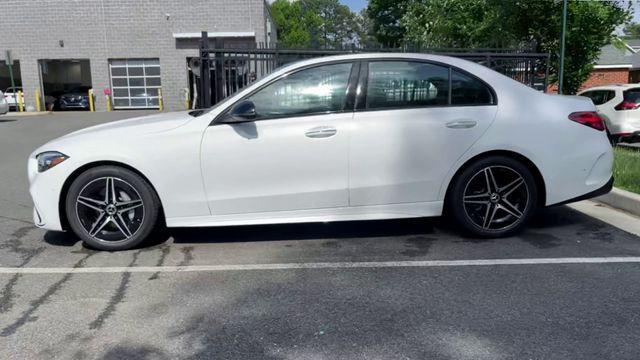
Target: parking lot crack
{"points": [[188, 256], [27, 315], [117, 297], [7, 296], [163, 256]]}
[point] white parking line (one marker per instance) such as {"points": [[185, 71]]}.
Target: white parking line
{"points": [[319, 265]]}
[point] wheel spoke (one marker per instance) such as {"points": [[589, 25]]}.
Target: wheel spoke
{"points": [[129, 205], [511, 187], [489, 215], [492, 186], [482, 199], [510, 208], [90, 203], [479, 202], [107, 186], [99, 224], [122, 225], [477, 196]]}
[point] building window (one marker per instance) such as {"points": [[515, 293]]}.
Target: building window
{"points": [[135, 83]]}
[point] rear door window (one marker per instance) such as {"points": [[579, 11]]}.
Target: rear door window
{"points": [[632, 95], [599, 97], [467, 90], [406, 84]]}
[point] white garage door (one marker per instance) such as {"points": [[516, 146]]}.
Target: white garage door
{"points": [[135, 83]]}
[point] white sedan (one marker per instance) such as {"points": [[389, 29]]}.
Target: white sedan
{"points": [[355, 137]]}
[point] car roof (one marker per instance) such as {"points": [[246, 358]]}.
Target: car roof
{"points": [[612, 87]]}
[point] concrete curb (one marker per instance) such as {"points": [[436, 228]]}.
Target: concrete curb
{"points": [[26, 113], [621, 199]]}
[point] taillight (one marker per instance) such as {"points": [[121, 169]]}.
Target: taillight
{"points": [[589, 118], [627, 105]]}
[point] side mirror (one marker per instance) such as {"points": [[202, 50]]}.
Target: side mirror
{"points": [[244, 111]]}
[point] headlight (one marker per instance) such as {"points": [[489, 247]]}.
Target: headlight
{"points": [[49, 159]]}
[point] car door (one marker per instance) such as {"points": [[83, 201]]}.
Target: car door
{"points": [[413, 120], [293, 156]]}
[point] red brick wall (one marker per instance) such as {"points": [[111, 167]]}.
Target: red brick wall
{"points": [[600, 77], [606, 77]]}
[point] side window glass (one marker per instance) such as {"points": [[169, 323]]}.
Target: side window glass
{"points": [[598, 97], [319, 89], [467, 90], [610, 95], [397, 84]]}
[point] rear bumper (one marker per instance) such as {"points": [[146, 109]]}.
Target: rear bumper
{"points": [[605, 189], [629, 137]]}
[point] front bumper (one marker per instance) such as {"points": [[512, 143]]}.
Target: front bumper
{"points": [[74, 105], [45, 189]]}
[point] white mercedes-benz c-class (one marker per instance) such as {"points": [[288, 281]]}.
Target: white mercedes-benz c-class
{"points": [[355, 137]]}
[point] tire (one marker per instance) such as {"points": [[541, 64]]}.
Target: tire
{"points": [[489, 208], [115, 223]]}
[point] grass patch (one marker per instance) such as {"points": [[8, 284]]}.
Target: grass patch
{"points": [[626, 169]]}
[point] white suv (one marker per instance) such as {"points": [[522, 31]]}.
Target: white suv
{"points": [[619, 106]]}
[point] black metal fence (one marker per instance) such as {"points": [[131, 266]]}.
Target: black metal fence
{"points": [[224, 71]]}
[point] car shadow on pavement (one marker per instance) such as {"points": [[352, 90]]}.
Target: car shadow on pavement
{"points": [[58, 238], [306, 231]]}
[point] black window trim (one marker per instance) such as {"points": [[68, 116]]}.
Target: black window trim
{"points": [[348, 105], [364, 78], [357, 88]]}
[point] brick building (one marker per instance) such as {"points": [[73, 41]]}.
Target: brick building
{"points": [[132, 48], [615, 66]]}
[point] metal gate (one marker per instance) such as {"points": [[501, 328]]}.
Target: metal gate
{"points": [[224, 71]]}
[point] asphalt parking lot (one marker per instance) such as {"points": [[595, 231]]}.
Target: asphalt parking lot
{"points": [[567, 288]]}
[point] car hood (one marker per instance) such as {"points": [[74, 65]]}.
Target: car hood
{"points": [[119, 130]]}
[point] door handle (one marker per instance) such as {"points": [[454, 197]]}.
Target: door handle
{"points": [[321, 132], [461, 124]]}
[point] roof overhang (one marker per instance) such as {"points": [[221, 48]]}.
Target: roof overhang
{"points": [[215, 34], [614, 66]]}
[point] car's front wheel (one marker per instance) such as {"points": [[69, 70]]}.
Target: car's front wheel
{"points": [[111, 208], [494, 197]]}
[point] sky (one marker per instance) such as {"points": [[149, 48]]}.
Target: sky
{"points": [[355, 5]]}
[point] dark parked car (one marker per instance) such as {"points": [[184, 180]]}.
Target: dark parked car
{"points": [[76, 98]]}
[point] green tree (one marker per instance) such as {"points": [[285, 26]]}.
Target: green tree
{"points": [[501, 23], [365, 34], [314, 23], [292, 32], [632, 30], [386, 16]]}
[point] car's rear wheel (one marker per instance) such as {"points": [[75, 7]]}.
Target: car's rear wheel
{"points": [[111, 208], [494, 197]]}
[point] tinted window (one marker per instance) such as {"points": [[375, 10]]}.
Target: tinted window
{"points": [[315, 90], [393, 84], [632, 95], [599, 97], [467, 90]]}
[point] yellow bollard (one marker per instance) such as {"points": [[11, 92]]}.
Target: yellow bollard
{"points": [[91, 105], [20, 99], [160, 102], [108, 102], [38, 100]]}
